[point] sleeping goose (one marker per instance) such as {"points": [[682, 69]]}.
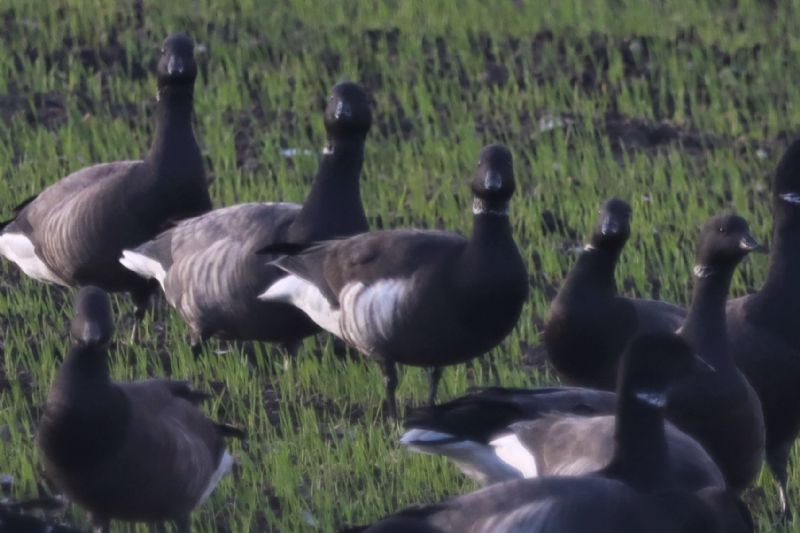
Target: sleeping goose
{"points": [[207, 265], [422, 298], [73, 232], [589, 324], [132, 451], [635, 492]]}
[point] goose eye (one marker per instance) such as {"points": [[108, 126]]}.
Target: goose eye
{"points": [[721, 229]]}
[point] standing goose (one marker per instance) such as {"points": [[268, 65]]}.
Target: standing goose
{"points": [[634, 493], [73, 232], [589, 324], [763, 328], [208, 267], [721, 410], [133, 451], [506, 433], [422, 298]]}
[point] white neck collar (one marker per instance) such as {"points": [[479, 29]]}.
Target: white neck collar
{"points": [[479, 207], [702, 271], [791, 197]]}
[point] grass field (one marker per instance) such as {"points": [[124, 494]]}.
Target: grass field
{"points": [[682, 108]]}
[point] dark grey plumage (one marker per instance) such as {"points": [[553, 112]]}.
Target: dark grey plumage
{"points": [[634, 493], [208, 267], [73, 232], [133, 451], [720, 409], [589, 324], [503, 434], [763, 328], [424, 298]]}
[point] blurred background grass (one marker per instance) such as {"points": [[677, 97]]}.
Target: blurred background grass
{"points": [[681, 108]]}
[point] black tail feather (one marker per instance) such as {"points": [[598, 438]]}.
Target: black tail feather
{"points": [[227, 430]]}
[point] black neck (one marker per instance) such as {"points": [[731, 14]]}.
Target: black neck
{"points": [[783, 277], [705, 327], [174, 135], [85, 364], [491, 228], [335, 193], [640, 452], [594, 269]]}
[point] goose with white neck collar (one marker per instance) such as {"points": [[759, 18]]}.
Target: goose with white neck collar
{"points": [[74, 231], [589, 323], [720, 409], [764, 328], [208, 268], [421, 298]]}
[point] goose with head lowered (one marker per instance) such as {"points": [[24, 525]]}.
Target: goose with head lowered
{"points": [[131, 451], [498, 434], [208, 267], [421, 298], [589, 324], [74, 231], [764, 328], [635, 492]]}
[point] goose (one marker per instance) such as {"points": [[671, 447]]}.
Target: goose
{"points": [[635, 492], [208, 268], [132, 451], [422, 298], [589, 324], [72, 233], [763, 330]]}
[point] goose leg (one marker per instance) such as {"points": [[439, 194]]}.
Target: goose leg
{"points": [[390, 378], [100, 525], [777, 460], [183, 524], [493, 368], [435, 375]]}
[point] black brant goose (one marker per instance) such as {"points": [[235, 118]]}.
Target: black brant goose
{"points": [[422, 298], [589, 324], [207, 265], [497, 434], [74, 231], [720, 409], [133, 451], [520, 433], [634, 493], [763, 328]]}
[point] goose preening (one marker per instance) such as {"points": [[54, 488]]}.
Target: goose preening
{"points": [[208, 268], [422, 298], [764, 328], [132, 451], [589, 324], [507, 433], [73, 232], [635, 492]]}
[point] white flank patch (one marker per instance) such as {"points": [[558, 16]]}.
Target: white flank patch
{"points": [[225, 465], [146, 267], [476, 460], [369, 313], [307, 297], [509, 449], [365, 316], [19, 249]]}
